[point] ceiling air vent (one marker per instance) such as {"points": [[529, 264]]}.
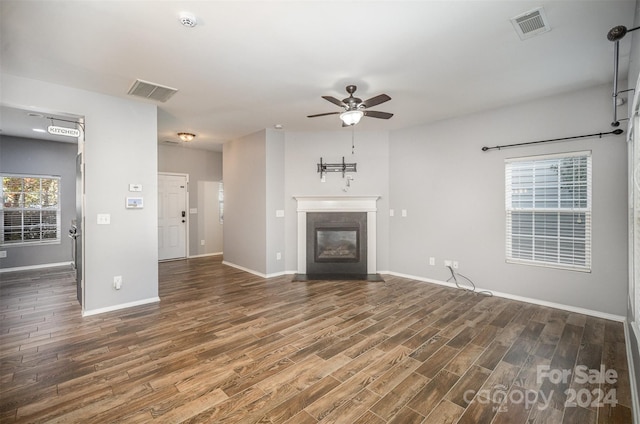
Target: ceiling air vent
{"points": [[152, 91], [531, 23]]}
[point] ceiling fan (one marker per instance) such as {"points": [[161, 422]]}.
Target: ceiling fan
{"points": [[355, 108]]}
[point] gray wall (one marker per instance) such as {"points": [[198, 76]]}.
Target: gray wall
{"points": [[204, 169], [37, 157], [303, 151], [274, 185], [120, 149], [245, 222], [454, 194]]}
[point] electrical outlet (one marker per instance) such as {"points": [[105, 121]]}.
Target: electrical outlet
{"points": [[201, 242], [447, 262], [117, 282], [455, 264], [432, 261], [3, 253], [278, 256], [392, 212]]}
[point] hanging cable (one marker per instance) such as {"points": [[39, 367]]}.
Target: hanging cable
{"points": [[614, 132], [473, 290]]}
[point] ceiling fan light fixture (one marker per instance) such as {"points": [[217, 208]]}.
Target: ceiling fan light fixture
{"points": [[186, 137], [351, 117]]}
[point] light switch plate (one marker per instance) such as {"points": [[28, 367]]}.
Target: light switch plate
{"points": [[135, 187], [104, 219]]}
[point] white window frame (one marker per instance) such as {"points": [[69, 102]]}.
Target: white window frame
{"points": [[569, 259], [22, 209]]}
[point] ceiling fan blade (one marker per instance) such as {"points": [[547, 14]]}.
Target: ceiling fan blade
{"points": [[376, 100], [334, 100], [376, 114], [324, 114]]}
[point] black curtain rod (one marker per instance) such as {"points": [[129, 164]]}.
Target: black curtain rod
{"points": [[616, 132]]}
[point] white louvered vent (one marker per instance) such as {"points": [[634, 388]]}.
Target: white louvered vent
{"points": [[531, 23], [150, 90]]}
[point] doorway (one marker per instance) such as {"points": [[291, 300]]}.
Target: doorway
{"points": [[172, 216]]}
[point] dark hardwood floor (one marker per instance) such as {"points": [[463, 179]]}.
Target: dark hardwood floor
{"points": [[224, 346]]}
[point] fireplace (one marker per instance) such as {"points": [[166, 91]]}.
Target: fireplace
{"points": [[336, 243], [336, 235]]}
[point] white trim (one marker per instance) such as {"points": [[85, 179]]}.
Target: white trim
{"points": [[121, 306], [569, 308], [241, 268], [635, 394], [259, 274], [29, 267], [204, 255]]}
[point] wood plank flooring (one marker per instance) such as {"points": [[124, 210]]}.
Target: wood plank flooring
{"points": [[224, 346]]}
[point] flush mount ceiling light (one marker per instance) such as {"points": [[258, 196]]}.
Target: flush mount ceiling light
{"points": [[188, 20], [186, 137], [351, 117]]}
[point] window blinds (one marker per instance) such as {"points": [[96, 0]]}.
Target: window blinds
{"points": [[548, 210]]}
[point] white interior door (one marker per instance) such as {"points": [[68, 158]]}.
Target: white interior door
{"points": [[172, 216]]}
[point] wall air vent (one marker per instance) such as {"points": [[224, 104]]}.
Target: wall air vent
{"points": [[150, 90], [531, 23]]}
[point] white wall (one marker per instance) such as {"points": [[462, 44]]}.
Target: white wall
{"points": [[303, 151], [120, 149], [454, 195]]}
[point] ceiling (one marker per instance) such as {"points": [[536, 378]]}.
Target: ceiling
{"points": [[250, 65]]}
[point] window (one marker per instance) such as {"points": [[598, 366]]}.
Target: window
{"points": [[548, 210], [30, 211]]}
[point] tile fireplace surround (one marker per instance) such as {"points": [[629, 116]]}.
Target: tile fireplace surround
{"points": [[337, 204]]}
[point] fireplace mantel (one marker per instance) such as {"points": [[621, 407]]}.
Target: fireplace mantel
{"points": [[337, 204]]}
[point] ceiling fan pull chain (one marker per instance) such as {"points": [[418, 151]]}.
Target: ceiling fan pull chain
{"points": [[353, 147]]}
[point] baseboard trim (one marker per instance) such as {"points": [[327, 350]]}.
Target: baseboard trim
{"points": [[569, 308], [242, 268], [30, 267], [204, 255], [635, 390], [120, 306]]}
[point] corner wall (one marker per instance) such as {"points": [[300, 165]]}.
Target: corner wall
{"points": [[303, 151], [120, 149], [454, 195], [245, 222], [205, 170], [38, 157]]}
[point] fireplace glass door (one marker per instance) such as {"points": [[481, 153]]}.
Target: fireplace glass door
{"points": [[336, 244]]}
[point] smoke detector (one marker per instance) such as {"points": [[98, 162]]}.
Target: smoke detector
{"points": [[531, 23], [189, 20]]}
